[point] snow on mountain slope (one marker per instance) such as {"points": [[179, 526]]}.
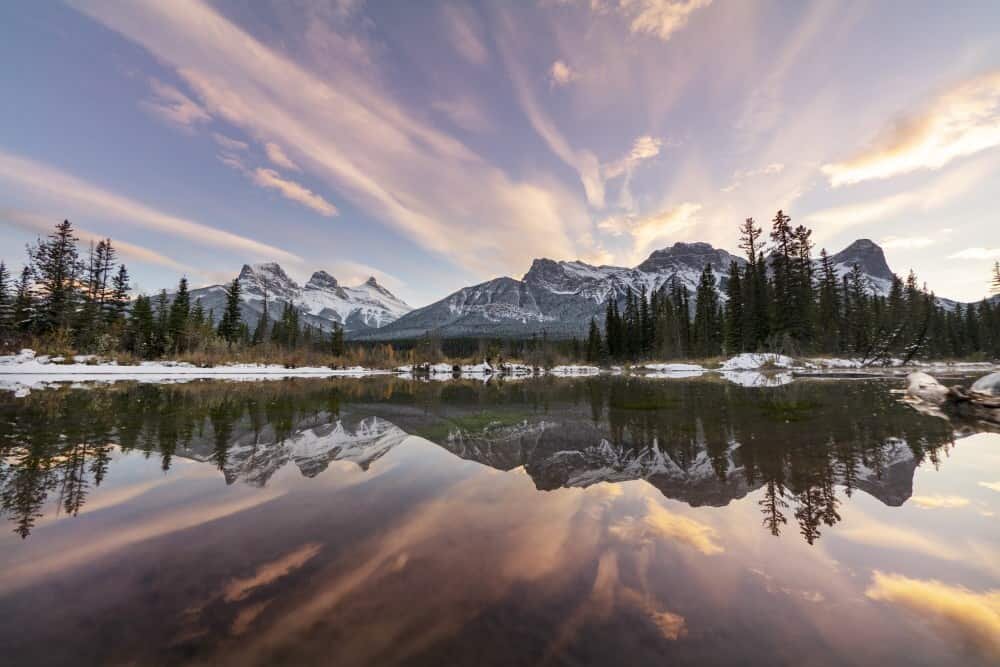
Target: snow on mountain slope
{"points": [[560, 298], [322, 301], [557, 298]]}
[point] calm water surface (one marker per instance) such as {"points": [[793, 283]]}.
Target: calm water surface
{"points": [[551, 521]]}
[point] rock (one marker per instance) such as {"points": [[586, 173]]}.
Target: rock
{"points": [[924, 387], [988, 384]]}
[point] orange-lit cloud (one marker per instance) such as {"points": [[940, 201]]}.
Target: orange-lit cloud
{"points": [[939, 502], [268, 178], [658, 523], [659, 18], [271, 572], [647, 231], [953, 610], [963, 121]]}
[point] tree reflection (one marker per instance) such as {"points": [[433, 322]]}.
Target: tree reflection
{"points": [[806, 446]]}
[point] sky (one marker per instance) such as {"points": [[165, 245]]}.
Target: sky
{"points": [[440, 144]]}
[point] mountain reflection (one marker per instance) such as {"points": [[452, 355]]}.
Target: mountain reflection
{"points": [[808, 445]]}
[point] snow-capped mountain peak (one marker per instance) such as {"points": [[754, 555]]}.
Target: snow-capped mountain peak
{"points": [[322, 280], [322, 301]]}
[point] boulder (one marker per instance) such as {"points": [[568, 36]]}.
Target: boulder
{"points": [[924, 387], [988, 384]]}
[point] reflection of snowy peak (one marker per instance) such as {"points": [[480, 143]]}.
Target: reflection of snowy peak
{"points": [[322, 301], [255, 459], [697, 483]]}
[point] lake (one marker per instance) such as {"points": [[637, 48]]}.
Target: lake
{"points": [[557, 521]]}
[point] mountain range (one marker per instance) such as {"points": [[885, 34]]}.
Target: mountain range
{"points": [[560, 298], [557, 298], [322, 301]]}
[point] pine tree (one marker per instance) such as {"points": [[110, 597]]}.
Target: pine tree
{"points": [[782, 254], [180, 313], [803, 290], [829, 311], [707, 327], [612, 329], [230, 324], [594, 352], [120, 286], [140, 332], [734, 310], [995, 287], [24, 303], [56, 266], [6, 303], [337, 340], [260, 331], [161, 332], [859, 316]]}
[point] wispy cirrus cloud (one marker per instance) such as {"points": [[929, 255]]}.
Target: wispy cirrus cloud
{"points": [[43, 224], [356, 138], [962, 121], [268, 178], [466, 34], [79, 195], [169, 104], [230, 144], [464, 111], [277, 156]]}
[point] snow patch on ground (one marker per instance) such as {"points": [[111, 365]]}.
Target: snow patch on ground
{"points": [[574, 370], [25, 371], [673, 368], [758, 379], [755, 360]]}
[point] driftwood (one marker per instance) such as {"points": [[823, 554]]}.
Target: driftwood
{"points": [[974, 403]]}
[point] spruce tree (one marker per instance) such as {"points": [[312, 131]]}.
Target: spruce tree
{"points": [[734, 310], [594, 343], [707, 327], [120, 286], [829, 310], [140, 331], [24, 303], [6, 303], [803, 290], [782, 257], [230, 324], [180, 313], [56, 267], [161, 333], [337, 340]]}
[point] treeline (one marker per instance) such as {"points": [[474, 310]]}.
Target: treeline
{"points": [[781, 300], [68, 301]]}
